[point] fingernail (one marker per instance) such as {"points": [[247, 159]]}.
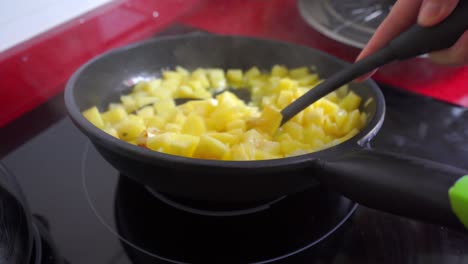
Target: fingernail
{"points": [[429, 12]]}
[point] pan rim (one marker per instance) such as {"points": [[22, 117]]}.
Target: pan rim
{"points": [[99, 137]]}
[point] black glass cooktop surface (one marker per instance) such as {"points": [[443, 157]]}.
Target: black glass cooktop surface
{"points": [[97, 216]]}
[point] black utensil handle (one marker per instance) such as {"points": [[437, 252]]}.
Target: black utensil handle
{"points": [[402, 185], [419, 40]]}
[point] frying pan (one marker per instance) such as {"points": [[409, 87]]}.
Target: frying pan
{"points": [[398, 184]]}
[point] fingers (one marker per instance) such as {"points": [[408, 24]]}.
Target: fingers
{"points": [[455, 55], [433, 12], [401, 17], [403, 14]]}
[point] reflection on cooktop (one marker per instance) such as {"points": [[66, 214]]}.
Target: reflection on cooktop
{"points": [[301, 224]]}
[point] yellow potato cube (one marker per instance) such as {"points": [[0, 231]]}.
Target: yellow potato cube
{"points": [[171, 127], [353, 121], [159, 142], [238, 152], [253, 137], [146, 111], [264, 155], [313, 133], [140, 86], [313, 115], [111, 131], [237, 124], [194, 125], [201, 76], [201, 107], [235, 77], [210, 148], [351, 101], [332, 97], [294, 130], [182, 71], [252, 73], [309, 80], [279, 71], [182, 145], [340, 118], [114, 115], [217, 79], [285, 98], [290, 146], [167, 75], [342, 91], [299, 72], [350, 134], [154, 122], [286, 84], [363, 120], [93, 116], [268, 122], [165, 108], [128, 102], [271, 147], [329, 108], [130, 129], [226, 138]]}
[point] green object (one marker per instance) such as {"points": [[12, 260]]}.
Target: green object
{"points": [[458, 195]]}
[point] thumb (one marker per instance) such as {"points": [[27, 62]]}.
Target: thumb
{"points": [[433, 12]]}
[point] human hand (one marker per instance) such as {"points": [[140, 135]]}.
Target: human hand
{"points": [[426, 13]]}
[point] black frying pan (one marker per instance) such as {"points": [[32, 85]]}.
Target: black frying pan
{"points": [[387, 181]]}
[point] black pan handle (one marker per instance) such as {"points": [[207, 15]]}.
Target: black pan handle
{"points": [[402, 185]]}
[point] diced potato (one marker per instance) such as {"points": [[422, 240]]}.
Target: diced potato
{"points": [[114, 115], [227, 128], [285, 98], [279, 71], [154, 121], [93, 116], [237, 124], [194, 125], [299, 72], [253, 137], [165, 108], [130, 129], [268, 122], [286, 84], [294, 130], [351, 101], [290, 146], [313, 115], [226, 138], [174, 143], [128, 102], [201, 76], [353, 121], [111, 131], [147, 111], [217, 79], [252, 73], [309, 80], [235, 77], [313, 133], [210, 148], [329, 108]]}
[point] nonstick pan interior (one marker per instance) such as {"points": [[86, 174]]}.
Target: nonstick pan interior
{"points": [[106, 77]]}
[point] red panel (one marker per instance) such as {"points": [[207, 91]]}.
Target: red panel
{"points": [[33, 71], [280, 19]]}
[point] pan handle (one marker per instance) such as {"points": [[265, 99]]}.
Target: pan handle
{"points": [[402, 185]]}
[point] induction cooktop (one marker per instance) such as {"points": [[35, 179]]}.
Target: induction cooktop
{"points": [[96, 215]]}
